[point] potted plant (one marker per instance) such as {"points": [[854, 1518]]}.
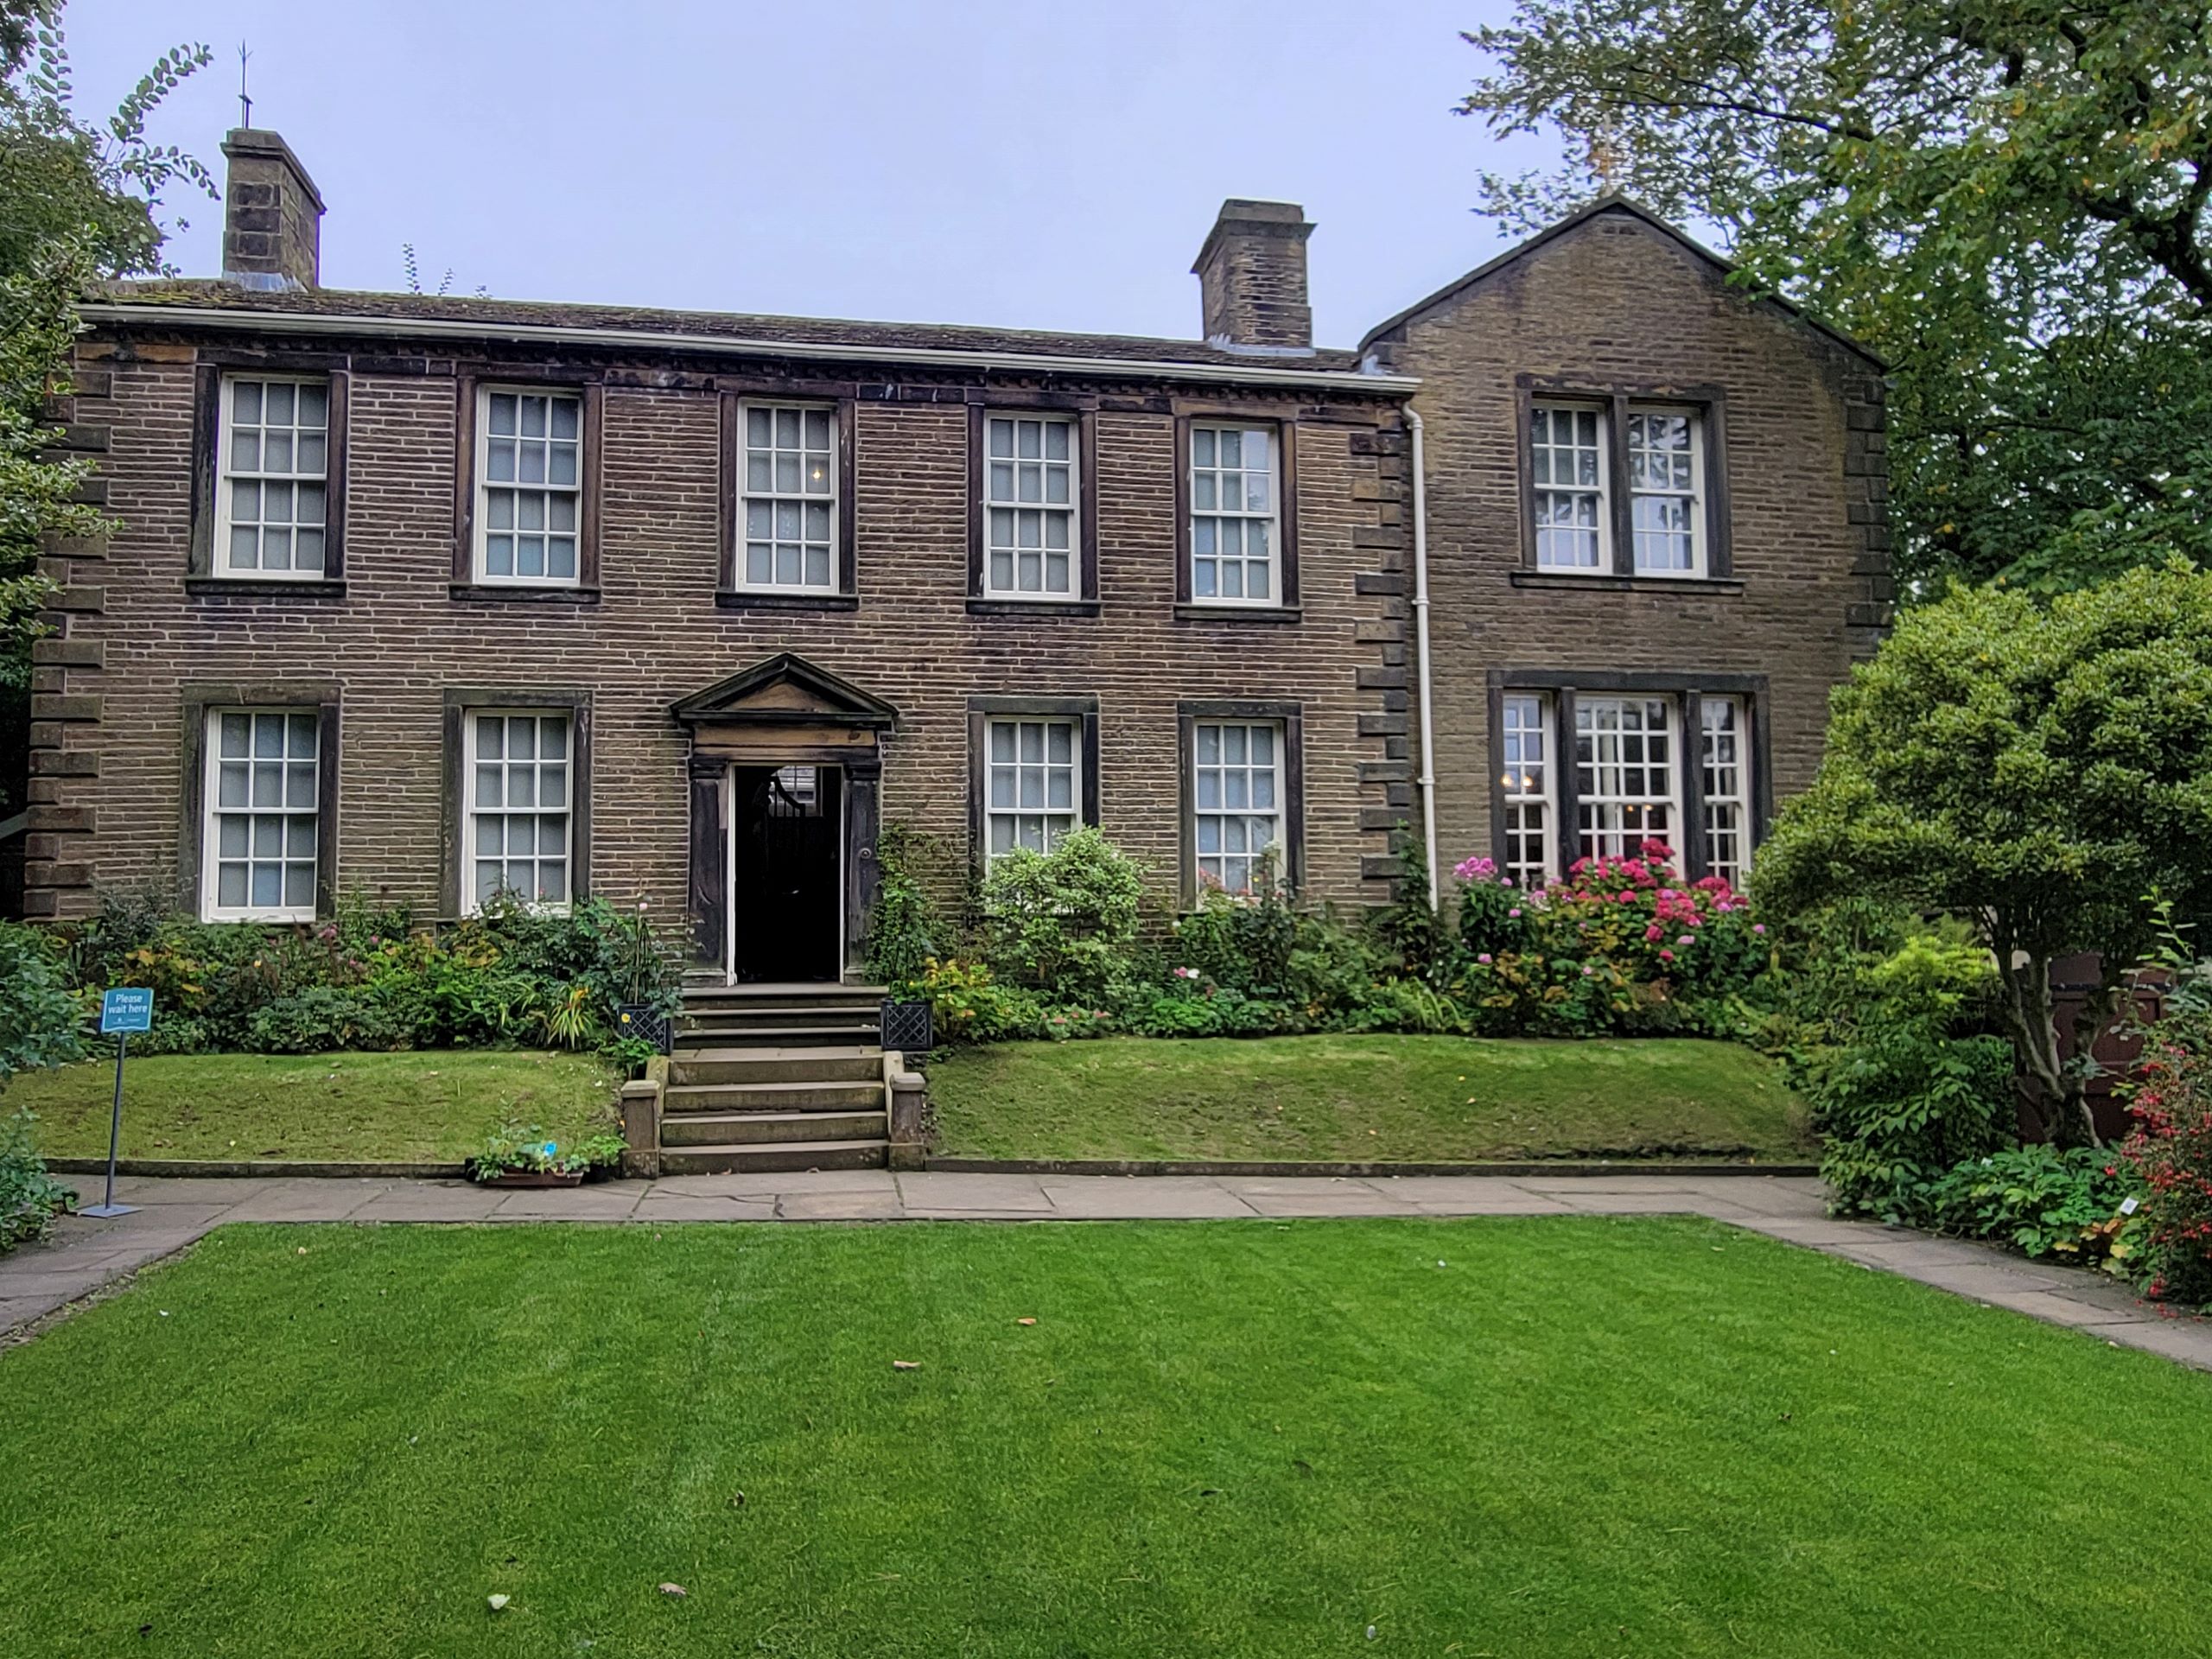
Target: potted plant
{"points": [[524, 1155], [648, 1001]]}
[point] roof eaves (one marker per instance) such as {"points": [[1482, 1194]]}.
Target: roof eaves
{"points": [[177, 313]]}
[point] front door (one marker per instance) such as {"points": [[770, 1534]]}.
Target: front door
{"points": [[787, 866]]}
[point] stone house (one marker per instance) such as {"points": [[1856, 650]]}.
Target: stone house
{"points": [[423, 597]]}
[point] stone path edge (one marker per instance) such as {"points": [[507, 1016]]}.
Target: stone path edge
{"points": [[1291, 1166], [229, 1168], [332, 1169]]}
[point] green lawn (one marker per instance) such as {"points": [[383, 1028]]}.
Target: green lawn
{"points": [[1537, 1436], [414, 1108], [1405, 1099]]}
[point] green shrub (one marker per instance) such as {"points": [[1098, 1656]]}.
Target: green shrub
{"points": [[968, 1004], [1909, 1092], [29, 1198], [322, 1019], [366, 979], [1244, 945], [2041, 1200], [903, 925], [1063, 923], [39, 1018]]}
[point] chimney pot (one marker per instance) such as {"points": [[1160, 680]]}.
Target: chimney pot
{"points": [[272, 214], [1251, 276]]}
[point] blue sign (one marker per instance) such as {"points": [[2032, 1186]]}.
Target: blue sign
{"points": [[126, 1010]]}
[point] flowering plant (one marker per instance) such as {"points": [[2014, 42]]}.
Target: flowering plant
{"points": [[2171, 1150], [1647, 936]]}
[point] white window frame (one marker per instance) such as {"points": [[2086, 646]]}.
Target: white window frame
{"points": [[1601, 491], [1694, 421], [1529, 790], [1735, 713], [485, 485], [1070, 510], [1277, 437], [1620, 841], [218, 553], [1045, 767], [286, 808], [773, 497], [472, 901], [1223, 811]]}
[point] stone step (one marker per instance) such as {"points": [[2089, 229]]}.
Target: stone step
{"points": [[741, 1017], [776, 1064], [693, 1096], [719, 1033], [753, 1129], [730, 1160], [697, 998]]}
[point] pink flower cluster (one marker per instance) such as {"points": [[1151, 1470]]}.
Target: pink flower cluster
{"points": [[1480, 869]]}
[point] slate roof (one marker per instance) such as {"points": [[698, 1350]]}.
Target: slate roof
{"points": [[828, 333]]}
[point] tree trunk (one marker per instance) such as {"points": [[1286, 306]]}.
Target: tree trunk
{"points": [[2052, 1092]]}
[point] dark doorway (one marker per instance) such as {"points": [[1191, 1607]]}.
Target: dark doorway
{"points": [[785, 893]]}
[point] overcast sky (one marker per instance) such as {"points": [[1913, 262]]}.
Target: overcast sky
{"points": [[1029, 165]]}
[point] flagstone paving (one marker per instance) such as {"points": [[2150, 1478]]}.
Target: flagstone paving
{"points": [[86, 1254]]}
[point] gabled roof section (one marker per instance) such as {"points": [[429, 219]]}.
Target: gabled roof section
{"points": [[1612, 203], [786, 690]]}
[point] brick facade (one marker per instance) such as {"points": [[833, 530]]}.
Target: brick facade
{"points": [[145, 633], [1617, 300], [134, 644]]}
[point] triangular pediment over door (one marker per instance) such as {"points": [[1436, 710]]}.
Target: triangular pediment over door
{"points": [[786, 690]]}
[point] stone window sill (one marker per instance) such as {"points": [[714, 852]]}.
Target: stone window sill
{"points": [[745, 599], [978, 606], [242, 588], [1609, 582], [491, 594], [1190, 610]]}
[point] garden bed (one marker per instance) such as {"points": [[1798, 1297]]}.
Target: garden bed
{"points": [[419, 1107], [1365, 1099], [1554, 1435]]}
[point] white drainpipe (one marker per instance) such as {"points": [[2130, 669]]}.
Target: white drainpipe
{"points": [[1427, 783]]}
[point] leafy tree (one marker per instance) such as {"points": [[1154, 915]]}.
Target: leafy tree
{"points": [[2005, 198], [77, 203], [2035, 767]]}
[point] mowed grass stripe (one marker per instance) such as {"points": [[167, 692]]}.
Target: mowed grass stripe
{"points": [[1576, 1435]]}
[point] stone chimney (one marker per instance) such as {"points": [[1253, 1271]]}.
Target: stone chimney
{"points": [[272, 214], [1252, 276]]}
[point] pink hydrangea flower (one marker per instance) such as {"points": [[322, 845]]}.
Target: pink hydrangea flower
{"points": [[1484, 957], [1758, 927], [1516, 911]]}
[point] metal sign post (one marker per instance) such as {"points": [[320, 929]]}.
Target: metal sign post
{"points": [[121, 1012]]}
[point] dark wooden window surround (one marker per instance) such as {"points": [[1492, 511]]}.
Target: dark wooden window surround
{"points": [[1083, 409], [459, 703], [192, 822], [1291, 717], [1618, 399], [1286, 607], [584, 382], [727, 594], [199, 577], [981, 710], [1684, 690]]}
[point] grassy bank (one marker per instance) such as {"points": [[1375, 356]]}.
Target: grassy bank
{"points": [[1407, 1099], [426, 1107]]}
